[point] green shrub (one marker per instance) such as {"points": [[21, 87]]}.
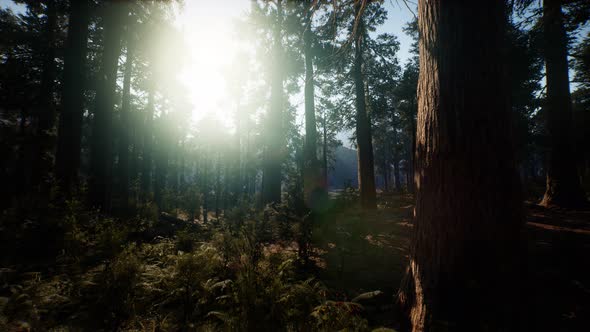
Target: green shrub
{"points": [[111, 237], [118, 287], [338, 315]]}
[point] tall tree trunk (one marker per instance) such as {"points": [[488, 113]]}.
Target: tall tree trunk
{"points": [[161, 172], [311, 178], [468, 216], [325, 153], [102, 125], [69, 141], [182, 166], [395, 161], [385, 175], [217, 186], [366, 168], [42, 162], [563, 185], [412, 161], [273, 156], [124, 126], [146, 169]]}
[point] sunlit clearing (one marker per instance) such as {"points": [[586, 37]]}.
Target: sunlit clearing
{"points": [[207, 31]]}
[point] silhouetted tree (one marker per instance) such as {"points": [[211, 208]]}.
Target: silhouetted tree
{"points": [[69, 143], [563, 183]]}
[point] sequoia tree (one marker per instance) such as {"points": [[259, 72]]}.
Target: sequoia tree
{"points": [[468, 213], [563, 184]]}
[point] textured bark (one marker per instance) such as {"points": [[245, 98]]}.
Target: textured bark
{"points": [[468, 217], [124, 126], [273, 154], [67, 157], [101, 156], [563, 185], [366, 168], [311, 178], [412, 161]]}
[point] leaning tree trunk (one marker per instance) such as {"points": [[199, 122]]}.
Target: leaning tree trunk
{"points": [[271, 175], [468, 214], [102, 125], [69, 140], [366, 168], [563, 185]]}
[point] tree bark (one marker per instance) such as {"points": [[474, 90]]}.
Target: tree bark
{"points": [[67, 157], [563, 185], [102, 126], [273, 156], [468, 216], [366, 168]]}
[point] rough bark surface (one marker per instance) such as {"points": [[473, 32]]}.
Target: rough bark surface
{"points": [[563, 185], [468, 214]]}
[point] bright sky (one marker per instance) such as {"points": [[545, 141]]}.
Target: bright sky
{"points": [[208, 33], [208, 30]]}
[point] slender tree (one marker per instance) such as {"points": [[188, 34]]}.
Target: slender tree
{"points": [[146, 169], [125, 123], [366, 169], [468, 213], [67, 158], [311, 181], [42, 162], [271, 173], [102, 124], [563, 183]]}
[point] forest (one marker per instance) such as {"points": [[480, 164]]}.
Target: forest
{"points": [[294, 165]]}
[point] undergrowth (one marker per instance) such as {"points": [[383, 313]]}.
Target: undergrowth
{"points": [[248, 271]]}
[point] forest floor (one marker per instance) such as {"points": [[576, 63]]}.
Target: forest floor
{"points": [[356, 253], [367, 251]]}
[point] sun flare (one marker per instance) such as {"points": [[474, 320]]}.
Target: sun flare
{"points": [[211, 46]]}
